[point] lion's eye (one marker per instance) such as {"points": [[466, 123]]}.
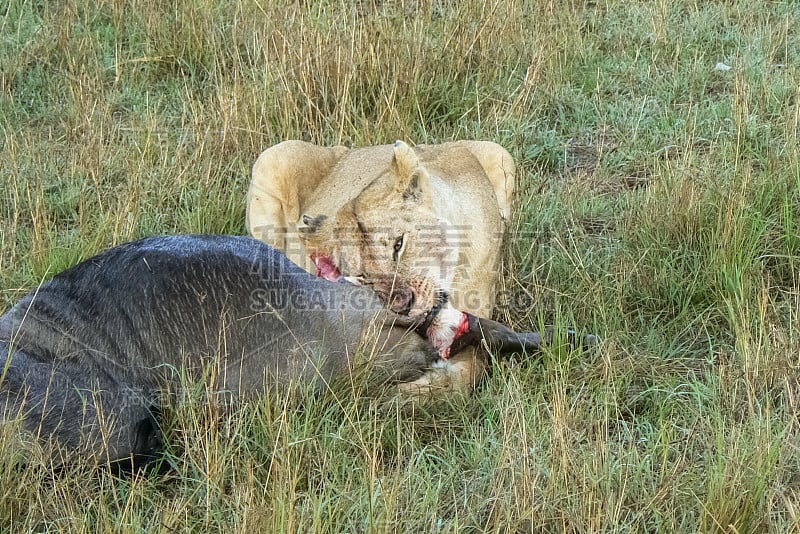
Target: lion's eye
{"points": [[398, 247]]}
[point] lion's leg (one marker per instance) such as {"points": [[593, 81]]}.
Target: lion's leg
{"points": [[284, 176], [269, 217], [499, 167], [462, 373]]}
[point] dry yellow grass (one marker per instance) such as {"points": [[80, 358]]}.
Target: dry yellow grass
{"points": [[659, 206]]}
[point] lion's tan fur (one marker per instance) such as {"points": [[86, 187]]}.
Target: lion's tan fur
{"points": [[448, 202]]}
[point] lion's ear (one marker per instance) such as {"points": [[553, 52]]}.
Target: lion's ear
{"points": [[411, 178]]}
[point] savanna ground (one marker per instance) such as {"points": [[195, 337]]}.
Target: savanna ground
{"points": [[659, 206]]}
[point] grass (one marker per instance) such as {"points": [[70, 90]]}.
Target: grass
{"points": [[659, 206]]}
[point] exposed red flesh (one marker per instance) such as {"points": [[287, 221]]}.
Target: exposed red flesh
{"points": [[443, 332]]}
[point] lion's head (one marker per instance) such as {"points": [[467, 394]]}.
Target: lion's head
{"points": [[388, 238]]}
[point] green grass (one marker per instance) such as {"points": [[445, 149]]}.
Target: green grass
{"points": [[659, 206]]}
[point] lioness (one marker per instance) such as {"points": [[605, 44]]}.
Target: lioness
{"points": [[423, 227], [86, 358]]}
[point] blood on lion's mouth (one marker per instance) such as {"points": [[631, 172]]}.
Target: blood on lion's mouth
{"points": [[325, 267]]}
